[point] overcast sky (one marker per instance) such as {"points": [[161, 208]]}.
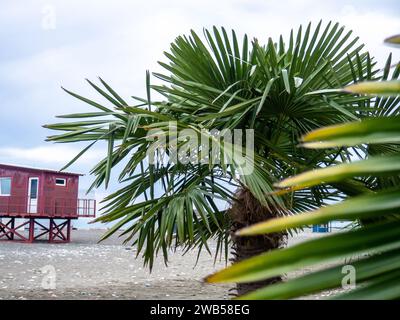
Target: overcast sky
{"points": [[46, 44]]}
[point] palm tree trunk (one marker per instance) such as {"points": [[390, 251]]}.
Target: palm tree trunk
{"points": [[247, 210]]}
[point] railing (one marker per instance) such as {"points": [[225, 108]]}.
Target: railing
{"points": [[86, 208], [60, 207]]}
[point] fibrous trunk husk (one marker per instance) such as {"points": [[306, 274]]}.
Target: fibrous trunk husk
{"points": [[245, 211]]}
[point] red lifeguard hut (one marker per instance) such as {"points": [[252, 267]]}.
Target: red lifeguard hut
{"points": [[39, 204]]}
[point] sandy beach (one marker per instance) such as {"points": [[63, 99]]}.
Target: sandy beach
{"points": [[85, 269]]}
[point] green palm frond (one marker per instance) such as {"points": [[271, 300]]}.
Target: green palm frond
{"points": [[221, 82], [374, 246]]}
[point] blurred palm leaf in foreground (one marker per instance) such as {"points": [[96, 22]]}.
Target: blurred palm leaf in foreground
{"points": [[372, 249]]}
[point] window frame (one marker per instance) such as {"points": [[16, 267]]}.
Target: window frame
{"points": [[6, 195], [60, 185]]}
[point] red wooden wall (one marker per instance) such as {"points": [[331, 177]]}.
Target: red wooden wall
{"points": [[53, 200]]}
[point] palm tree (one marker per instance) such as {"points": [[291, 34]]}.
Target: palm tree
{"points": [[372, 250], [227, 85]]}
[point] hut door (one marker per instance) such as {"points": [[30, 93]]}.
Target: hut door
{"points": [[33, 192]]}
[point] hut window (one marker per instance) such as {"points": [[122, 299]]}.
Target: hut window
{"points": [[5, 186], [61, 182]]}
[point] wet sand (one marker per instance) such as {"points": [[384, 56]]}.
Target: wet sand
{"points": [[85, 269]]}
